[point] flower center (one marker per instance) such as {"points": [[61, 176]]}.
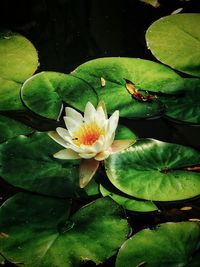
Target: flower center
{"points": [[87, 134]]}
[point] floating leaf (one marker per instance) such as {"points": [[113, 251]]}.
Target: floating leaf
{"points": [[175, 41], [124, 133], [41, 233], [153, 3], [184, 107], [169, 245], [125, 200], [28, 163], [154, 170], [145, 75], [11, 128], [45, 92], [19, 60]]}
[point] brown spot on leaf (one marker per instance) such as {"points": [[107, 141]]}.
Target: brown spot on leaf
{"points": [[103, 82], [194, 220], [186, 208], [141, 264], [3, 235]]}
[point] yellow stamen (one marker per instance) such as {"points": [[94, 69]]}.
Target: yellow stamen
{"points": [[87, 134]]}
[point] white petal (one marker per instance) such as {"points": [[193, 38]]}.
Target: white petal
{"points": [[103, 106], [119, 145], [87, 170], [66, 154], [102, 155], [109, 140], [70, 112], [90, 113], [113, 122], [56, 137], [71, 125], [63, 133], [87, 155]]}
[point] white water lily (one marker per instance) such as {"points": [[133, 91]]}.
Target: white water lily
{"points": [[90, 137]]}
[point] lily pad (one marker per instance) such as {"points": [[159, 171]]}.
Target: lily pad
{"points": [[108, 76], [19, 60], [41, 233], [184, 107], [11, 128], [175, 41], [124, 133], [126, 201], [169, 245], [28, 163], [45, 92], [155, 170]]}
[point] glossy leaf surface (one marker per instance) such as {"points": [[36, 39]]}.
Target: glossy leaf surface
{"points": [[175, 41], [41, 233], [169, 245], [155, 170]]}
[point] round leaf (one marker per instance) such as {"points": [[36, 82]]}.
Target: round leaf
{"points": [[169, 245], [109, 78], [40, 232], [125, 201], [19, 60], [155, 170], [28, 163], [44, 93], [11, 128], [175, 41], [184, 107]]}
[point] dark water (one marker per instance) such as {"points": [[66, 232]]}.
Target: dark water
{"points": [[67, 33]]}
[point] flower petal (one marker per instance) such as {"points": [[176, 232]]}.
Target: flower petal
{"points": [[72, 113], [56, 137], [89, 113], [86, 155], [66, 154], [113, 122], [87, 170], [63, 133], [71, 125], [102, 155], [119, 145], [103, 106]]}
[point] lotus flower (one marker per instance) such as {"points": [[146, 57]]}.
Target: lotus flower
{"points": [[90, 137]]}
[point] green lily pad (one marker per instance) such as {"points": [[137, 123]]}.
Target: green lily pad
{"points": [[41, 233], [19, 60], [184, 107], [44, 93], [175, 41], [169, 245], [108, 77], [28, 163], [124, 133], [11, 128], [126, 201], [155, 170]]}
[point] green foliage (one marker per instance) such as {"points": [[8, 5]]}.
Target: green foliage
{"points": [[11, 128], [45, 92], [169, 245], [175, 41], [155, 170], [19, 60], [40, 232], [146, 75]]}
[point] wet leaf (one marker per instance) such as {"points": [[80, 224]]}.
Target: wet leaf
{"points": [[169, 245], [42, 233], [11, 128], [28, 163], [154, 170], [19, 60], [146, 75], [45, 92], [184, 107], [175, 41]]}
